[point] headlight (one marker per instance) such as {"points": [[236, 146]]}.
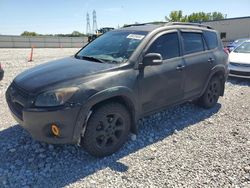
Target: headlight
{"points": [[56, 97]]}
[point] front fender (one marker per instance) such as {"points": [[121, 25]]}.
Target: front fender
{"points": [[106, 94]]}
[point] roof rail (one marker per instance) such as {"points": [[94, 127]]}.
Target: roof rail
{"points": [[170, 23], [189, 24], [130, 25], [147, 23]]}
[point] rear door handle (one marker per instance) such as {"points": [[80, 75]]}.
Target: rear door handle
{"points": [[211, 60], [180, 67]]}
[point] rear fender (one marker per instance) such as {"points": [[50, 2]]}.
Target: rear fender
{"points": [[219, 70]]}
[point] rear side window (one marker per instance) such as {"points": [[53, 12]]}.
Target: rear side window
{"points": [[193, 42], [211, 39], [167, 45]]}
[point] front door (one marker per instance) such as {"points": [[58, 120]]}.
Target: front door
{"points": [[161, 85]]}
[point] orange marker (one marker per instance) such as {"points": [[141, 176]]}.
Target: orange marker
{"points": [[31, 54]]}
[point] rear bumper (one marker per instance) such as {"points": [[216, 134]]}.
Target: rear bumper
{"points": [[239, 71], [38, 123], [1, 74]]}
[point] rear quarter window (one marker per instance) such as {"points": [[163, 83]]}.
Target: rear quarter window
{"points": [[211, 39], [193, 42]]}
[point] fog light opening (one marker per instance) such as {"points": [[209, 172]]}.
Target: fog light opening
{"points": [[55, 130]]}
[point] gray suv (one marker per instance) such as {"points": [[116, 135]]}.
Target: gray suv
{"points": [[96, 97]]}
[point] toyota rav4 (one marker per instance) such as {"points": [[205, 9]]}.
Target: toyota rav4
{"points": [[96, 97]]}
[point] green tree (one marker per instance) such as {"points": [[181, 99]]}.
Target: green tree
{"points": [[198, 17], [217, 16], [29, 34], [76, 33], [177, 16]]}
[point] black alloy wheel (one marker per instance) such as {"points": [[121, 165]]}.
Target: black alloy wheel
{"points": [[107, 129], [212, 93]]}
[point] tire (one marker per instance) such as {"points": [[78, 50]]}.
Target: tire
{"points": [[107, 130], [212, 93]]}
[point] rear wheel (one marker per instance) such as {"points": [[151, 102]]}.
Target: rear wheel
{"points": [[107, 130], [212, 93]]}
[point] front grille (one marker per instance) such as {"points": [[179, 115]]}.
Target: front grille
{"points": [[240, 64], [239, 73], [20, 91], [16, 99]]}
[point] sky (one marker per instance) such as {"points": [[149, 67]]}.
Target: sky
{"points": [[65, 16]]}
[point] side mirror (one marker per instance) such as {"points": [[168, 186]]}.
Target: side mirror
{"points": [[152, 59]]}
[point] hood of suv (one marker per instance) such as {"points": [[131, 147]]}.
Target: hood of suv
{"points": [[58, 71]]}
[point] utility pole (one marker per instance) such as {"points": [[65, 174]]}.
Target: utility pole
{"points": [[94, 21], [88, 29]]}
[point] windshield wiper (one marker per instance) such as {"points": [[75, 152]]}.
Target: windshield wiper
{"points": [[91, 58]]}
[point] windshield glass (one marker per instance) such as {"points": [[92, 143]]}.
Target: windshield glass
{"points": [[113, 47], [243, 48], [239, 41]]}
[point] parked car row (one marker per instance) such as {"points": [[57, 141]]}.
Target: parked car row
{"points": [[232, 45], [239, 59]]}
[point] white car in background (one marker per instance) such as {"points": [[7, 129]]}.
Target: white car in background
{"points": [[239, 59]]}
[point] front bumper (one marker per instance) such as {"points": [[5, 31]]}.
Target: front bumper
{"points": [[239, 70], [1, 74], [38, 121]]}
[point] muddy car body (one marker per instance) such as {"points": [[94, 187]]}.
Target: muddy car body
{"points": [[95, 98]]}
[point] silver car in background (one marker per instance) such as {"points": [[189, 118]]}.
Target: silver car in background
{"points": [[239, 60]]}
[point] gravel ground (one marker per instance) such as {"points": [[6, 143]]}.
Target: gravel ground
{"points": [[184, 146]]}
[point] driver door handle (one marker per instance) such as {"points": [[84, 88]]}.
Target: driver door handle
{"points": [[211, 60], [180, 67]]}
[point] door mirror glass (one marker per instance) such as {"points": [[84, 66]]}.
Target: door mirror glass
{"points": [[152, 59]]}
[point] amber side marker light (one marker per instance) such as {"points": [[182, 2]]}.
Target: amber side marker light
{"points": [[55, 130]]}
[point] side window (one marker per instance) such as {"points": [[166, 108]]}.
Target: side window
{"points": [[193, 42], [223, 35], [211, 39], [167, 45]]}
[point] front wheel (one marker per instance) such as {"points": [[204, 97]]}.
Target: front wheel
{"points": [[212, 93], [107, 129]]}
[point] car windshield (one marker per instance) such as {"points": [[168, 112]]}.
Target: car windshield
{"points": [[243, 48], [112, 47], [239, 41]]}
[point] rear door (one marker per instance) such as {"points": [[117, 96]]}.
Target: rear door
{"points": [[197, 62], [214, 50]]}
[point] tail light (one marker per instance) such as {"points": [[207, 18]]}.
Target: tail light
{"points": [[226, 50]]}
